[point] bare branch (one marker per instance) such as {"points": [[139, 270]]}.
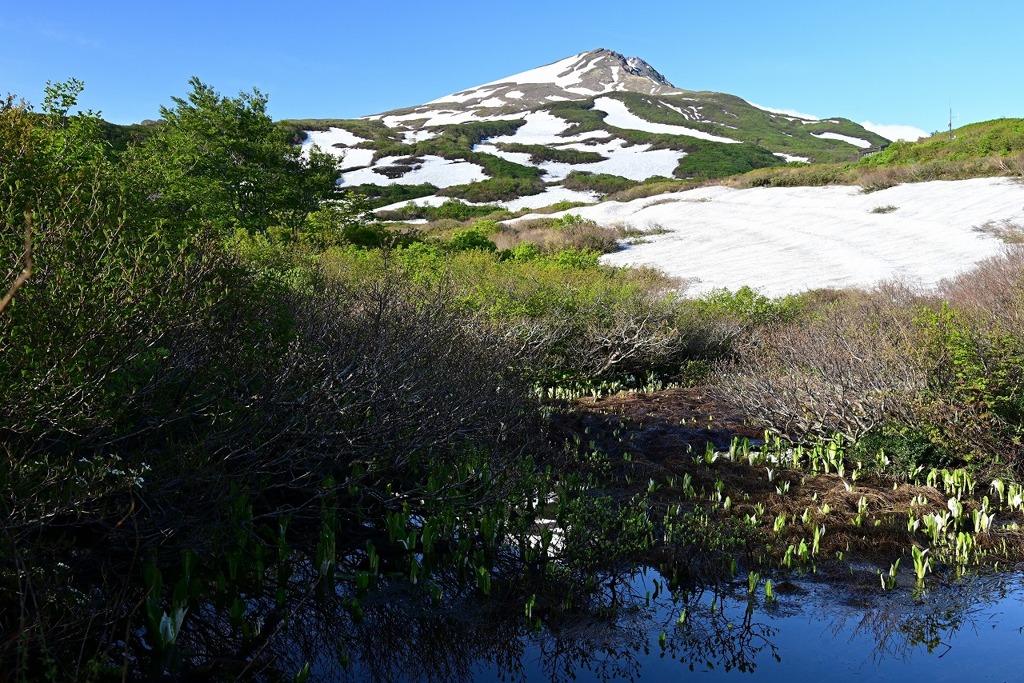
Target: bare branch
{"points": [[26, 257]]}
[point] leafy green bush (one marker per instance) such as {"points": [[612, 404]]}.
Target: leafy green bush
{"points": [[977, 373], [580, 259], [524, 251], [541, 153], [460, 211], [471, 238], [904, 448], [718, 160], [495, 189], [451, 209], [751, 306], [384, 195], [800, 176], [602, 183]]}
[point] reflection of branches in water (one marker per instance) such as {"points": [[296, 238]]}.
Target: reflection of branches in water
{"points": [[415, 640], [411, 633], [405, 635], [902, 625], [608, 633], [897, 629], [604, 630], [609, 650], [719, 630], [399, 632]]}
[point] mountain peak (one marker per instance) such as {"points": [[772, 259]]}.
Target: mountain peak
{"points": [[635, 66], [587, 74], [604, 58]]}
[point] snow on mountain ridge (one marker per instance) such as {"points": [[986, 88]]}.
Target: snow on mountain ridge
{"points": [[582, 75]]}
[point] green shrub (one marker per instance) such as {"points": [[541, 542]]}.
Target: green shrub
{"points": [[751, 306], [542, 153], [580, 259], [524, 251], [602, 183], [487, 226], [384, 195], [906, 449], [471, 238], [459, 211], [802, 176], [495, 189], [978, 370], [718, 160]]}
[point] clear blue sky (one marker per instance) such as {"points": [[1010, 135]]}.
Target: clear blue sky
{"points": [[893, 62]]}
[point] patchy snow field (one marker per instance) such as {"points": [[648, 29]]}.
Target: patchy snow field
{"points": [[792, 157], [541, 128], [637, 162], [620, 116], [432, 200], [787, 240], [550, 196], [326, 139], [434, 170]]}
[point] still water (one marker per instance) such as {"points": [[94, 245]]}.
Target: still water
{"points": [[966, 630]]}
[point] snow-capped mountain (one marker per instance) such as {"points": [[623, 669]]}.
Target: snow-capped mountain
{"points": [[533, 138], [584, 75]]}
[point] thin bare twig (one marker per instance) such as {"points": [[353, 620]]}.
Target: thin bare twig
{"points": [[27, 270]]}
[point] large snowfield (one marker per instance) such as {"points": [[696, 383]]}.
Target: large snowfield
{"points": [[788, 240]]}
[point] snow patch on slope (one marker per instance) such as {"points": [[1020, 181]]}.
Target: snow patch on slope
{"points": [[434, 170], [562, 73], [550, 196], [620, 116], [856, 142], [791, 157], [637, 162], [327, 139], [541, 128], [442, 117], [522, 158], [411, 137]]}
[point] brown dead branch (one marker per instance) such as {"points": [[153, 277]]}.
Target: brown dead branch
{"points": [[26, 257]]}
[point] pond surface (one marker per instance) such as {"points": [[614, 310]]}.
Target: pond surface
{"points": [[967, 630]]}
